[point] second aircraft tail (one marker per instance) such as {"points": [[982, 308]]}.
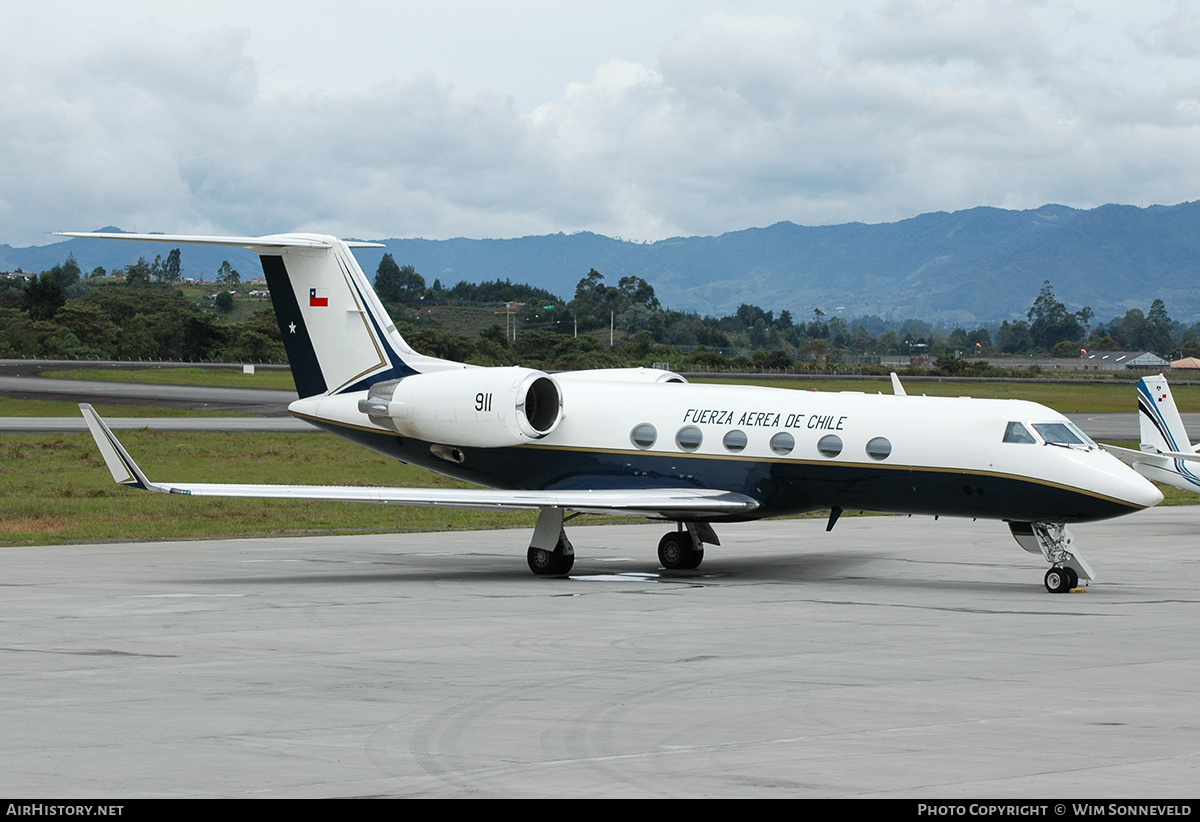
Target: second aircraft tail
{"points": [[1161, 426]]}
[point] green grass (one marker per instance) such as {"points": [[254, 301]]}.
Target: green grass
{"points": [[219, 377], [58, 490]]}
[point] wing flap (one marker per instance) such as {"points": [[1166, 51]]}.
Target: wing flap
{"points": [[653, 502]]}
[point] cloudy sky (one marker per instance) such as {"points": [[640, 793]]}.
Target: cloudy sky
{"points": [[642, 120]]}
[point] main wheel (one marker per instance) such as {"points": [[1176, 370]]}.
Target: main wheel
{"points": [[550, 563], [1058, 580], [676, 553]]}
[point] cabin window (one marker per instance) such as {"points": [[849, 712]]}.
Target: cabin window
{"points": [[735, 441], [644, 435], [1058, 433], [1018, 433], [689, 438], [879, 448], [830, 445], [783, 443]]}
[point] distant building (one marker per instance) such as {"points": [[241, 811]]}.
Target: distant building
{"points": [[1096, 361]]}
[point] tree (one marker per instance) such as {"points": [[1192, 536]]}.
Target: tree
{"points": [[1159, 336], [172, 268], [228, 275], [593, 301], [43, 296], [67, 273], [224, 302], [139, 273], [636, 291], [396, 284], [1051, 323]]}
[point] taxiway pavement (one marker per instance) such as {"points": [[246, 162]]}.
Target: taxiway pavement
{"points": [[894, 657]]}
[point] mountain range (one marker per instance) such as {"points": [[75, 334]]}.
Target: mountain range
{"points": [[978, 265]]}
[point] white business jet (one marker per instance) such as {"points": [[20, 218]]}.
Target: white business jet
{"points": [[645, 442], [1166, 455]]}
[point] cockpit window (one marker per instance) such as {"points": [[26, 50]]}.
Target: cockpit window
{"points": [[1060, 433], [1079, 432], [1018, 433]]}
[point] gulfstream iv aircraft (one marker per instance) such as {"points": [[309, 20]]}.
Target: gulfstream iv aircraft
{"points": [[645, 442], [1166, 455]]}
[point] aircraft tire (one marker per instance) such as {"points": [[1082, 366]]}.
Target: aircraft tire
{"points": [[549, 563], [1058, 580], [675, 552]]}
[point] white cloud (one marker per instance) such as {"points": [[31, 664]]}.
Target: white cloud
{"points": [[734, 119]]}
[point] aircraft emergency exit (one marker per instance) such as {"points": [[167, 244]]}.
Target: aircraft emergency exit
{"points": [[645, 442]]}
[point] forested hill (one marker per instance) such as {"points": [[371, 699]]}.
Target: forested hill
{"points": [[976, 265]]}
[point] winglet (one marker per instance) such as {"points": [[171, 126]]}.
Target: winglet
{"points": [[897, 388], [124, 470]]}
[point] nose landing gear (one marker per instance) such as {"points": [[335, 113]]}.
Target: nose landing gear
{"points": [[1054, 542]]}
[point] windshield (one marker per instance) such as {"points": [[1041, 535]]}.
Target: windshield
{"points": [[1062, 433]]}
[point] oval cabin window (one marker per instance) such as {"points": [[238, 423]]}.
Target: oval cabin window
{"points": [[879, 448], [644, 435], [689, 438], [830, 445], [783, 443]]}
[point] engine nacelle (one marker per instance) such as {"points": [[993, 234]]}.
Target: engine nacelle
{"points": [[482, 407], [638, 375]]}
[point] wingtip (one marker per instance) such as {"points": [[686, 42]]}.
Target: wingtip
{"points": [[122, 467]]}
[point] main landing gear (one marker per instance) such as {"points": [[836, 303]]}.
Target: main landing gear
{"points": [[683, 548], [1054, 542], [552, 563], [550, 552], [676, 551]]}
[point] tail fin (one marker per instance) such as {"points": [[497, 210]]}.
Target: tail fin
{"points": [[337, 334], [1161, 426]]}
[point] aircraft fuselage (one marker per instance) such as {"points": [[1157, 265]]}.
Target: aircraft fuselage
{"points": [[792, 451]]}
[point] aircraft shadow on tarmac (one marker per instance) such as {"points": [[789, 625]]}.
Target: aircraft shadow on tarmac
{"points": [[850, 567]]}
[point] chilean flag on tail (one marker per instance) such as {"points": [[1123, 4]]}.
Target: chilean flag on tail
{"points": [[318, 297]]}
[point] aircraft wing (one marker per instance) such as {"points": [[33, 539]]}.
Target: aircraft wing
{"points": [[1129, 456], [651, 502]]}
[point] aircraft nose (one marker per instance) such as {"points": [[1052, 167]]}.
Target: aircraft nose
{"points": [[1134, 488]]}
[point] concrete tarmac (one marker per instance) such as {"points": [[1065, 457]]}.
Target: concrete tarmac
{"points": [[893, 657]]}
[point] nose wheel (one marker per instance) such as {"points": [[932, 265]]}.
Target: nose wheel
{"points": [[1061, 580]]}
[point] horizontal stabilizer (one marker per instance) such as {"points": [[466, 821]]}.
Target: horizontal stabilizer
{"points": [[270, 241]]}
